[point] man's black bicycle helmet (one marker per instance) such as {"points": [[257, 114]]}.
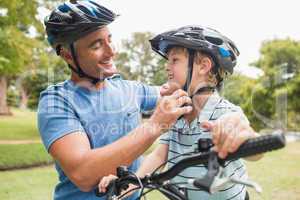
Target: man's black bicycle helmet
{"points": [[73, 20], [197, 38]]}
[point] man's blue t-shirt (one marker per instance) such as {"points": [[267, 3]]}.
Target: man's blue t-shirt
{"points": [[104, 116]]}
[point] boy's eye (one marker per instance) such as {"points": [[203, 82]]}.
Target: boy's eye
{"points": [[174, 60]]}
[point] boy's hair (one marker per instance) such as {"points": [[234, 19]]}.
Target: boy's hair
{"points": [[212, 76]]}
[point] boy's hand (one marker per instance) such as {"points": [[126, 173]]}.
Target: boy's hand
{"points": [[105, 182], [107, 179], [229, 132]]}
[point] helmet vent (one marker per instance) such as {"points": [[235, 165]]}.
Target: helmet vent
{"points": [[214, 40], [233, 47]]}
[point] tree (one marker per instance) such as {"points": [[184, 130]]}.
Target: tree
{"points": [[16, 47], [279, 90], [241, 90], [37, 80], [272, 100], [137, 61]]}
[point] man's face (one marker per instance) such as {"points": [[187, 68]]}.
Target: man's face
{"points": [[95, 53]]}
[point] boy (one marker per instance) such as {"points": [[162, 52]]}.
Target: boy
{"points": [[199, 58]]}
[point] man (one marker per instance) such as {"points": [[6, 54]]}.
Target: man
{"points": [[89, 124]]}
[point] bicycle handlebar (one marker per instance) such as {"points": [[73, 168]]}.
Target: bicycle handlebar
{"points": [[251, 147]]}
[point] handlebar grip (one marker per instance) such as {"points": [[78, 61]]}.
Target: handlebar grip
{"points": [[259, 145]]}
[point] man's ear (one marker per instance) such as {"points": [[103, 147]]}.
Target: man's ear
{"points": [[66, 55]]}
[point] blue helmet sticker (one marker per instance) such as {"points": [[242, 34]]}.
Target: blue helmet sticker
{"points": [[223, 52]]}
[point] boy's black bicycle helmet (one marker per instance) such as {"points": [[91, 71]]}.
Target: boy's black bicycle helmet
{"points": [[198, 38], [73, 20]]}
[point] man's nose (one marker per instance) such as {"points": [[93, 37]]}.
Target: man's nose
{"points": [[110, 49]]}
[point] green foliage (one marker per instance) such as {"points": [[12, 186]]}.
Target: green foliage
{"points": [[280, 60], [278, 55], [36, 81], [23, 155], [241, 91], [137, 61], [16, 48], [272, 100], [20, 13]]}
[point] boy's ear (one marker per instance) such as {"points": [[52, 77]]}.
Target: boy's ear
{"points": [[205, 65]]}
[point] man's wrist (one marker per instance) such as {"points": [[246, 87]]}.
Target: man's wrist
{"points": [[153, 127]]}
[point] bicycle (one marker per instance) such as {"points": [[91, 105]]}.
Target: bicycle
{"points": [[211, 182]]}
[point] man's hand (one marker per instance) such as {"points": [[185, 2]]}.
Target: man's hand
{"points": [[170, 108], [229, 132], [169, 88]]}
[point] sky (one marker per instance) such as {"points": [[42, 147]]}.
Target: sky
{"points": [[247, 23]]}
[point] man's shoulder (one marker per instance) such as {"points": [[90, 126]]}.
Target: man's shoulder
{"points": [[118, 81], [55, 89]]}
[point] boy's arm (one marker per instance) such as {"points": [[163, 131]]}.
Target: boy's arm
{"points": [[157, 157]]}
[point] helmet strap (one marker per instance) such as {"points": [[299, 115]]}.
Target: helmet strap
{"points": [[190, 75], [204, 89], [79, 71], [190, 70]]}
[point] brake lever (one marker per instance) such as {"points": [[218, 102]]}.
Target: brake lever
{"points": [[248, 183], [213, 166], [219, 183]]}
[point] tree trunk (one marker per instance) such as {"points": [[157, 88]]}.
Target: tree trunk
{"points": [[24, 98], [4, 110]]}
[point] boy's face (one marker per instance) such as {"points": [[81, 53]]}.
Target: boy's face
{"points": [[177, 66]]}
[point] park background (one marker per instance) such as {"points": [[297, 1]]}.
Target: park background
{"points": [[266, 82]]}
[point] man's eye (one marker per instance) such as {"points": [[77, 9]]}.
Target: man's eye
{"points": [[97, 45]]}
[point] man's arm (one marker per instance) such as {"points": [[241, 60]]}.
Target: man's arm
{"points": [[85, 166]]}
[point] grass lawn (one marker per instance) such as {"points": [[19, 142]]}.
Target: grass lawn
{"points": [[278, 174], [23, 155], [20, 126], [33, 184]]}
